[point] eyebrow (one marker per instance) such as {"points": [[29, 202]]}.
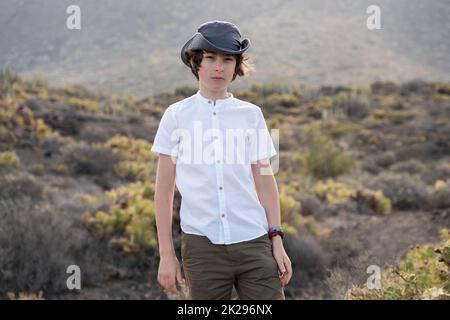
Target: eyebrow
{"points": [[215, 53]]}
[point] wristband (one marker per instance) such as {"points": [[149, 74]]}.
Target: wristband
{"points": [[275, 231]]}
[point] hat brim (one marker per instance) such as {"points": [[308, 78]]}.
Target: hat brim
{"points": [[198, 42]]}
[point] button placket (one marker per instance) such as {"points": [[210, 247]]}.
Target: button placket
{"points": [[220, 180]]}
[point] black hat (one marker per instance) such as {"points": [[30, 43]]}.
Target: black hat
{"points": [[217, 36]]}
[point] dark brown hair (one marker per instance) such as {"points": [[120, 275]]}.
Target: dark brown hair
{"points": [[243, 64]]}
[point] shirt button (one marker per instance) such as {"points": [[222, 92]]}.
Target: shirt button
{"points": [[218, 161], [220, 188], [209, 101], [223, 215], [214, 113]]}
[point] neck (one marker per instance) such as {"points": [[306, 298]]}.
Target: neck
{"points": [[214, 95]]}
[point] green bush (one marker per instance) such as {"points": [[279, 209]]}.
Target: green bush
{"points": [[84, 104], [268, 88], [319, 108], [130, 220], [350, 104], [411, 166], [443, 88], [385, 159], [38, 241], [292, 218], [405, 191], [290, 212], [26, 296], [372, 201], [333, 192], [246, 95], [423, 274], [13, 185], [78, 91], [396, 116], [384, 88], [7, 136], [391, 101], [138, 161], [336, 129], [323, 160], [6, 115], [9, 159], [185, 91], [368, 137], [82, 158], [7, 79], [441, 194], [281, 100], [309, 94], [33, 250], [417, 87]]}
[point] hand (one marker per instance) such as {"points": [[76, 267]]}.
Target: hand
{"points": [[283, 261], [169, 273]]}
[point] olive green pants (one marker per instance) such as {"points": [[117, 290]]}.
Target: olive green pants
{"points": [[211, 270]]}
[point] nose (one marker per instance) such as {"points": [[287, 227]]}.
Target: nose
{"points": [[219, 65]]}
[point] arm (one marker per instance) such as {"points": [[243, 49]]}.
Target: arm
{"points": [[169, 267], [267, 190]]}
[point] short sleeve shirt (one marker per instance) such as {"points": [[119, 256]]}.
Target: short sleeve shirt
{"points": [[214, 144]]}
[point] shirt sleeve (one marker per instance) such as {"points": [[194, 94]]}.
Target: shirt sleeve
{"points": [[261, 144], [166, 138]]}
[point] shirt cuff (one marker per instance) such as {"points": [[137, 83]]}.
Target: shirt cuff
{"points": [[166, 151], [264, 155]]}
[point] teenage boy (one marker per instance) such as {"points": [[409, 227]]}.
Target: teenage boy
{"points": [[230, 212]]}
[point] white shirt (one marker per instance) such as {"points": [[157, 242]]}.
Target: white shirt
{"points": [[213, 175]]}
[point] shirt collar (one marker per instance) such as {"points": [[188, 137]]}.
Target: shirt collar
{"points": [[210, 102]]}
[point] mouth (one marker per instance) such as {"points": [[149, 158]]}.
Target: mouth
{"points": [[217, 78]]}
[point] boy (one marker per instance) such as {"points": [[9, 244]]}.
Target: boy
{"points": [[231, 233]]}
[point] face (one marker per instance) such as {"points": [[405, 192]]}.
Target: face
{"points": [[216, 71]]}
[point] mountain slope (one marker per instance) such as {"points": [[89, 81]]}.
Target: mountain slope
{"points": [[133, 47]]}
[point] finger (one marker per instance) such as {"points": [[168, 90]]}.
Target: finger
{"points": [[288, 267], [285, 279], [283, 274], [288, 277], [281, 267], [288, 274], [180, 277], [162, 281], [165, 283], [168, 284], [172, 286]]}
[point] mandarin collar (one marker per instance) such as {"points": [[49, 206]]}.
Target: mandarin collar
{"points": [[210, 102]]}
